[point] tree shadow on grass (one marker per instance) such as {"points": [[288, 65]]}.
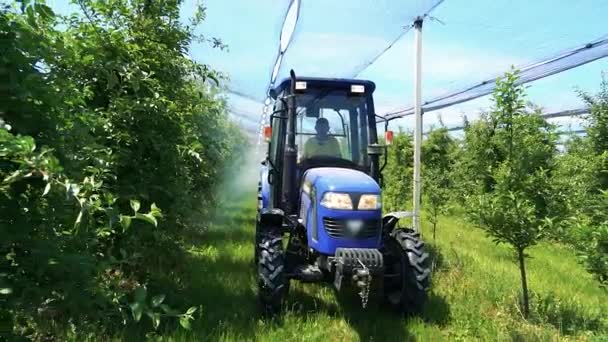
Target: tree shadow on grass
{"points": [[436, 258], [436, 311], [231, 230], [221, 282], [376, 322], [225, 289], [218, 238]]}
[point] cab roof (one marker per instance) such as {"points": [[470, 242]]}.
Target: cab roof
{"points": [[324, 83]]}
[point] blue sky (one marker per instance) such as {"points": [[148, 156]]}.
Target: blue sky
{"points": [[477, 39]]}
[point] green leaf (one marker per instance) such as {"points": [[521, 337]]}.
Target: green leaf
{"points": [[148, 218], [135, 205], [112, 80], [191, 310], [47, 188], [79, 218], [125, 221], [140, 294], [155, 320], [167, 309], [155, 317], [74, 189], [45, 11], [157, 300], [185, 323], [6, 290], [31, 19], [137, 309], [24, 3], [214, 78], [155, 211]]}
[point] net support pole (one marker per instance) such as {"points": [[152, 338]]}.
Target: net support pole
{"points": [[418, 124]]}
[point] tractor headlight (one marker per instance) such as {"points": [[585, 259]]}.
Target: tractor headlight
{"points": [[369, 202], [336, 200]]}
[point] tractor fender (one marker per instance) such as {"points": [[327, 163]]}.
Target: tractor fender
{"points": [[390, 220], [271, 218]]}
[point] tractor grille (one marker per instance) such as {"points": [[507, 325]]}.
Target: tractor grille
{"points": [[337, 228]]}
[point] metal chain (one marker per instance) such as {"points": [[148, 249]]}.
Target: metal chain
{"points": [[365, 289], [365, 292]]}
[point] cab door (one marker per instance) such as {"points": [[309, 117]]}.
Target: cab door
{"points": [[276, 148]]}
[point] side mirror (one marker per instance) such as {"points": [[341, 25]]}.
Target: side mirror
{"points": [[375, 150]]}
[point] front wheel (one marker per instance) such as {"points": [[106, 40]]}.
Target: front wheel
{"points": [[407, 275], [257, 242], [273, 283]]}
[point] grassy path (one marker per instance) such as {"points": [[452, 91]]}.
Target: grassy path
{"points": [[474, 294]]}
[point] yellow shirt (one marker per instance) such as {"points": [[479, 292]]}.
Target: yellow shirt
{"points": [[315, 147]]}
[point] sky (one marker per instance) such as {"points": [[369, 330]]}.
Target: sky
{"points": [[464, 42]]}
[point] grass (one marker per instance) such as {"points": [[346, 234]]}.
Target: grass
{"points": [[474, 296]]}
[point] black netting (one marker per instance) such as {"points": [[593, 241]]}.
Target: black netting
{"points": [[566, 60], [341, 38], [465, 47]]}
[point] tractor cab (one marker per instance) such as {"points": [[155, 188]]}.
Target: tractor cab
{"points": [[334, 126], [333, 121], [319, 187]]}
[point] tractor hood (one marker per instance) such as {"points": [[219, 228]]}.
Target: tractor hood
{"points": [[324, 179]]}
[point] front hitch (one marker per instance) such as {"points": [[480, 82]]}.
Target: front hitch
{"points": [[361, 263]]}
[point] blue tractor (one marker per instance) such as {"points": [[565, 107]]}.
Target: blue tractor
{"points": [[319, 200]]}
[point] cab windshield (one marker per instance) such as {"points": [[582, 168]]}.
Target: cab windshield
{"points": [[332, 124]]}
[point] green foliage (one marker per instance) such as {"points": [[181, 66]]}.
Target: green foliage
{"points": [[100, 120], [156, 310], [513, 200], [597, 130], [475, 158], [438, 161], [398, 173], [590, 238], [582, 175], [576, 174]]}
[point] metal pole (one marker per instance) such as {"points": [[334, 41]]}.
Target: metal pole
{"points": [[418, 128]]}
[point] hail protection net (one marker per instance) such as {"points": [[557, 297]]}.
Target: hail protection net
{"points": [[559, 47], [342, 38], [250, 29], [267, 38]]}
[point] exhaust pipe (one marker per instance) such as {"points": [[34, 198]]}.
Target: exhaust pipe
{"points": [[291, 153]]}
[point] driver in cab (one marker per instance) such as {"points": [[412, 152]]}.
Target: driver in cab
{"points": [[322, 144]]}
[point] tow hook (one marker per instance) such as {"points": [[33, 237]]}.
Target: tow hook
{"points": [[360, 263], [363, 279]]}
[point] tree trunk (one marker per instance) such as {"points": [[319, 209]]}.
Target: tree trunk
{"points": [[434, 227], [524, 282]]}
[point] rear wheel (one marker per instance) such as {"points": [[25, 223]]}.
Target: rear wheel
{"points": [[272, 281], [407, 275]]}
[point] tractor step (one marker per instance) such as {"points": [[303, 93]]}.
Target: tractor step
{"points": [[307, 273]]}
